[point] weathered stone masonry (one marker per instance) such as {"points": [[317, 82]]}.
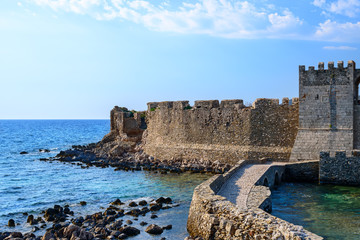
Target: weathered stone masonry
{"points": [[341, 168], [326, 117], [212, 216], [225, 132], [328, 112]]}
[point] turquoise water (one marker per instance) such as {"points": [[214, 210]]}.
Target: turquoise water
{"points": [[29, 185], [332, 212]]}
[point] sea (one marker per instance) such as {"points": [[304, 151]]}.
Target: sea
{"points": [[28, 185], [330, 211]]}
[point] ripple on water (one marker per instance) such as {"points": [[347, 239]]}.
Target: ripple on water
{"points": [[32, 185], [319, 208]]}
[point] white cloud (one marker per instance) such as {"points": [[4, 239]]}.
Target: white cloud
{"points": [[350, 8], [319, 3], [76, 6], [284, 21], [338, 32], [221, 18], [339, 48], [224, 18]]}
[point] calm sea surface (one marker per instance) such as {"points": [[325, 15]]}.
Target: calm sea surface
{"points": [[29, 185], [330, 211]]}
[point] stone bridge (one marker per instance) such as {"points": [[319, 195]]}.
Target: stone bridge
{"points": [[249, 185], [236, 205]]}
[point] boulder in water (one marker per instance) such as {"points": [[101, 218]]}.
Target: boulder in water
{"points": [[130, 231], [154, 229], [11, 223], [117, 202]]}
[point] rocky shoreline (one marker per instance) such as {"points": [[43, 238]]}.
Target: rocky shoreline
{"points": [[132, 159], [109, 224], [123, 149]]}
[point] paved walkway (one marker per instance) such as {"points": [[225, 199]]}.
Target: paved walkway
{"points": [[238, 187]]}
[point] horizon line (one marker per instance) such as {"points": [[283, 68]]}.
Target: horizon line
{"points": [[54, 119]]}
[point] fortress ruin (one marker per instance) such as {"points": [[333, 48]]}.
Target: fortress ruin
{"points": [[314, 138], [325, 118]]}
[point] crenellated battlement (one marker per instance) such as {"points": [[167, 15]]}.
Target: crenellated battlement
{"points": [[224, 131], [331, 67], [331, 76], [324, 118], [340, 154], [328, 98], [207, 104], [179, 105], [224, 104], [166, 105], [265, 102], [231, 103], [152, 105], [340, 167]]}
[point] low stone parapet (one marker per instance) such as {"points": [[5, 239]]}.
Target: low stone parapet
{"points": [[340, 169], [212, 216]]}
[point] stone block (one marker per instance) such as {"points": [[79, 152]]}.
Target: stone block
{"points": [[231, 103], [166, 105], [265, 102], [152, 105], [181, 105], [207, 104]]}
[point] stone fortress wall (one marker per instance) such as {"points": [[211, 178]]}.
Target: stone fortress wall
{"points": [[329, 118], [127, 125], [325, 118], [225, 131], [340, 167]]}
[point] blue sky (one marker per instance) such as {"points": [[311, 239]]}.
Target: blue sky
{"points": [[78, 58]]}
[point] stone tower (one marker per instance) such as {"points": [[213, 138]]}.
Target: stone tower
{"points": [[329, 110]]}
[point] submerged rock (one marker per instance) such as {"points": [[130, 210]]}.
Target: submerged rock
{"points": [[130, 231], [11, 223], [156, 207], [164, 200], [117, 202], [142, 203], [168, 227], [135, 212], [109, 212], [154, 229], [44, 150]]}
